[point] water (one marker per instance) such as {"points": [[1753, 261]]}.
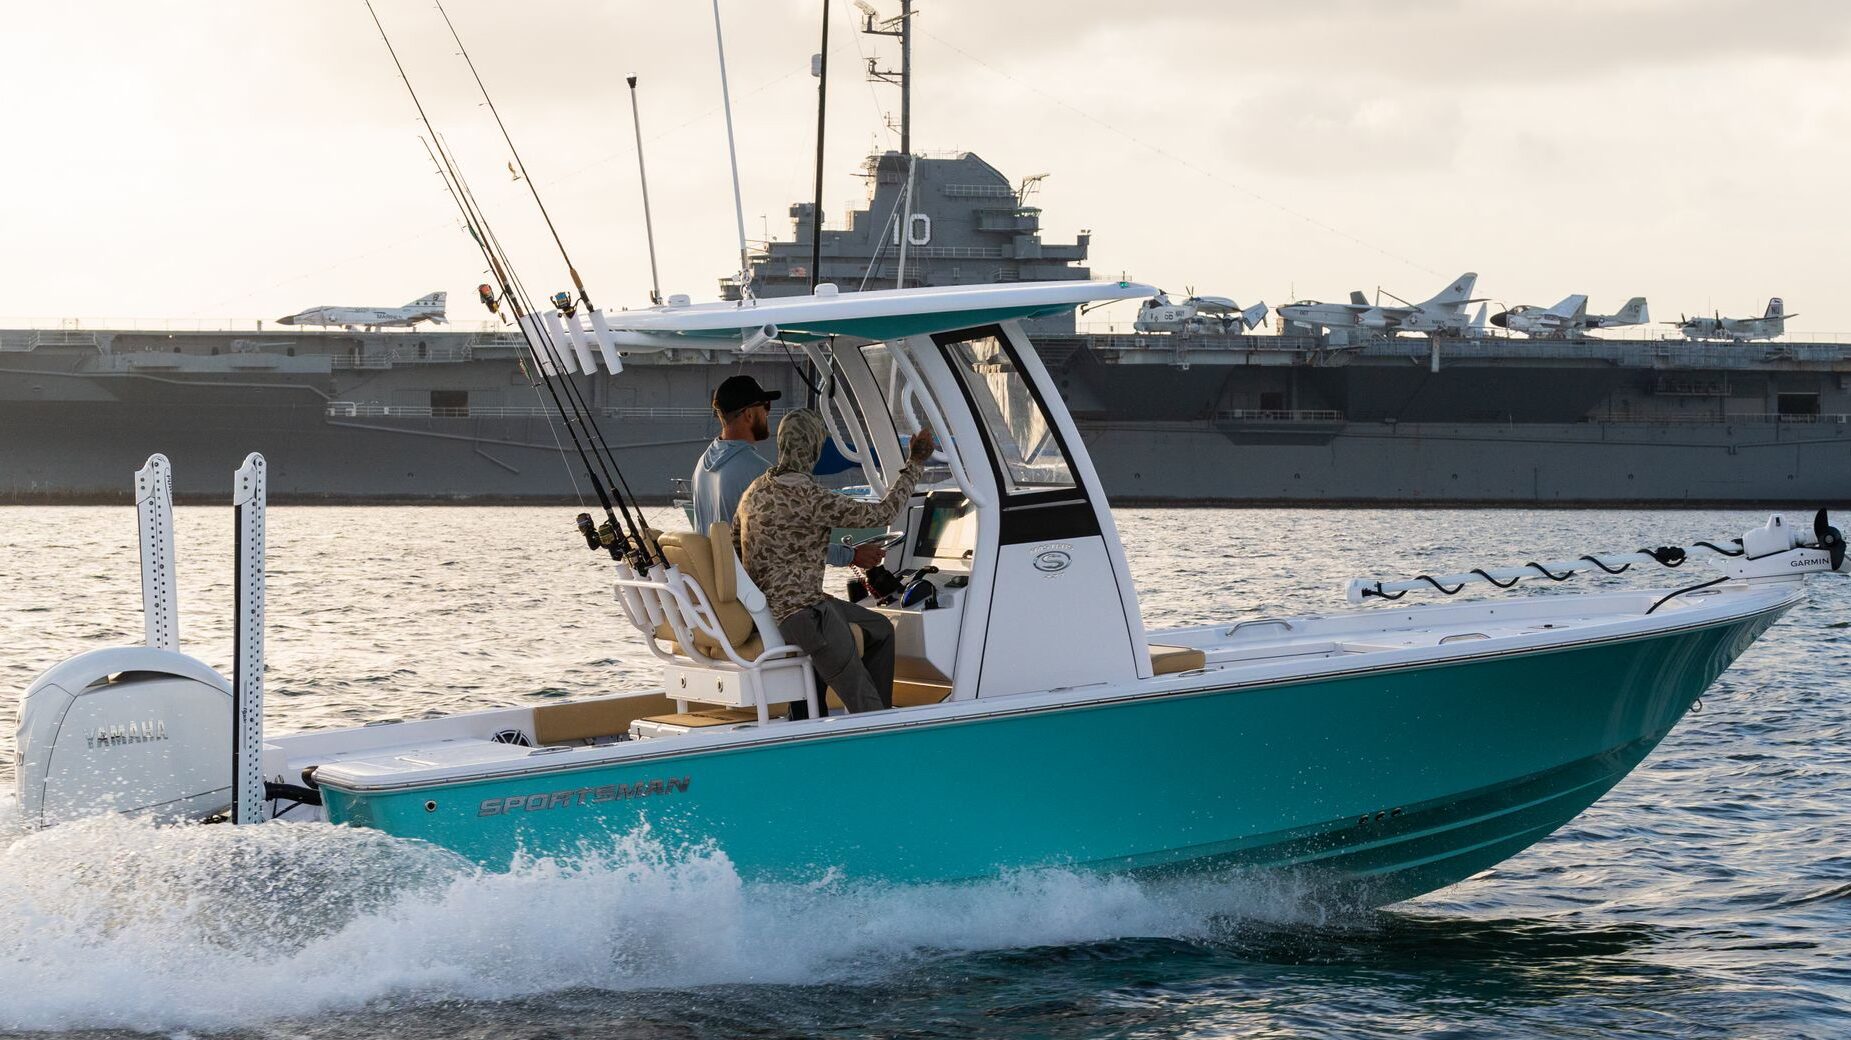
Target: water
{"points": [[1708, 895]]}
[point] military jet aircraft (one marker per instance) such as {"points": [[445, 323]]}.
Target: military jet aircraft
{"points": [[1568, 318], [424, 308], [1445, 312]]}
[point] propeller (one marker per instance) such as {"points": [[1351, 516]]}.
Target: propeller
{"points": [[1829, 538]]}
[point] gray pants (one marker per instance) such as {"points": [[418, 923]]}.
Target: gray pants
{"points": [[864, 683]]}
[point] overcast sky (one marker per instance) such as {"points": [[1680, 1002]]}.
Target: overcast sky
{"points": [[224, 159]]}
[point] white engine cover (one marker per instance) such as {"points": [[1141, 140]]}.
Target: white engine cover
{"points": [[127, 730]]}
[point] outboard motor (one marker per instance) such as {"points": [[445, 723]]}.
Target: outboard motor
{"points": [[148, 730], [131, 729]]}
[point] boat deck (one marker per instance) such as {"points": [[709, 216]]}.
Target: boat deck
{"points": [[1254, 652]]}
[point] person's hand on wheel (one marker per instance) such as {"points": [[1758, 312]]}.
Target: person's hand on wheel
{"points": [[867, 556], [923, 444]]}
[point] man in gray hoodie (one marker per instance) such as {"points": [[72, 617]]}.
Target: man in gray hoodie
{"points": [[731, 463]]}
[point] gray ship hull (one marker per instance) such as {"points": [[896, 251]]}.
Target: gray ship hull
{"points": [[72, 451]]}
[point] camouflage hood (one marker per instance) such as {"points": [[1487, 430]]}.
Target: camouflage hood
{"points": [[800, 442]]}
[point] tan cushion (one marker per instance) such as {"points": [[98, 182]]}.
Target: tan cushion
{"points": [[695, 555], [571, 721], [725, 587], [1167, 660]]}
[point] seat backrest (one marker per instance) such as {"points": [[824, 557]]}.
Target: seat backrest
{"points": [[707, 560]]}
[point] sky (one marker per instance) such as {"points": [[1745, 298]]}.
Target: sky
{"points": [[212, 160]]}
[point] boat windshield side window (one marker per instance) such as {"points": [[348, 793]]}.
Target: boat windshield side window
{"points": [[1028, 453]]}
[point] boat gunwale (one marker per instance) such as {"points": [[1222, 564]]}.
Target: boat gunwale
{"points": [[745, 738]]}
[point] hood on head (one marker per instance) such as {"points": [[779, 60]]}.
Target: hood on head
{"points": [[800, 441]]}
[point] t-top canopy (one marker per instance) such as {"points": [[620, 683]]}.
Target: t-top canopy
{"points": [[879, 314]]}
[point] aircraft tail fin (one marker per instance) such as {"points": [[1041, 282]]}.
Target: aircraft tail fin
{"points": [[1775, 308], [1254, 315], [432, 301], [1458, 294], [1357, 298], [1634, 313]]}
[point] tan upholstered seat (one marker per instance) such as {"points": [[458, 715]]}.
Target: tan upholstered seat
{"points": [[708, 560], [1167, 660]]}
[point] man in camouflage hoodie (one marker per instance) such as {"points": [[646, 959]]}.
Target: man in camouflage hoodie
{"points": [[782, 531]]}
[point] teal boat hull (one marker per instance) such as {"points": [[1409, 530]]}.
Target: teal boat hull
{"points": [[1388, 783]]}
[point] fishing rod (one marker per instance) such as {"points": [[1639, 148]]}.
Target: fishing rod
{"points": [[531, 188], [584, 296], [620, 484], [515, 295], [522, 301]]}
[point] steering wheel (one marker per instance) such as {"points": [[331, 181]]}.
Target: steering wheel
{"points": [[883, 541]]}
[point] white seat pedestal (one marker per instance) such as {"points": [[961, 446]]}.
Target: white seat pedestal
{"points": [[727, 685]]}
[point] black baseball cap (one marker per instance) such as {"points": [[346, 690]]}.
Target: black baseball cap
{"points": [[737, 392]]}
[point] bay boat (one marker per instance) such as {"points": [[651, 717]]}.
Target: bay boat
{"points": [[1390, 749]]}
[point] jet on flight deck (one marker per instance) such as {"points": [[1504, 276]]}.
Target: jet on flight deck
{"points": [[1740, 330], [1568, 318], [1445, 312], [424, 308]]}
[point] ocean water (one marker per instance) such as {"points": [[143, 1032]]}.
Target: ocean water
{"points": [[1709, 895]]}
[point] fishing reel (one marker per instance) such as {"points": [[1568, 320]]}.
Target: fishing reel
{"points": [[601, 536], [563, 301], [487, 293]]}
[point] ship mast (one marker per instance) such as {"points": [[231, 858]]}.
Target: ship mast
{"points": [[901, 27]]}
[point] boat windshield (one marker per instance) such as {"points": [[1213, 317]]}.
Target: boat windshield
{"points": [[1028, 453]]}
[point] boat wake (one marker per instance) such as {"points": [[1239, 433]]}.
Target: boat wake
{"points": [[112, 922]]}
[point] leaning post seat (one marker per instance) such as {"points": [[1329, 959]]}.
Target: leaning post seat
{"points": [[711, 627]]}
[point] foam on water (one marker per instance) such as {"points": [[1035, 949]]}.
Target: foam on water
{"points": [[113, 922]]}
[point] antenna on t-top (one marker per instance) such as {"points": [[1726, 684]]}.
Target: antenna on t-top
{"points": [[642, 174], [732, 151]]}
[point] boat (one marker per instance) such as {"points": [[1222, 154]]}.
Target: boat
{"points": [[1383, 751]]}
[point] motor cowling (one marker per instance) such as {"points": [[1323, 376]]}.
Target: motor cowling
{"points": [[133, 730]]}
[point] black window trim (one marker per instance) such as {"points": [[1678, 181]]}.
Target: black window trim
{"points": [[1026, 516]]}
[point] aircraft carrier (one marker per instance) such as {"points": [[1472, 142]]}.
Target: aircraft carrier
{"points": [[1191, 416]]}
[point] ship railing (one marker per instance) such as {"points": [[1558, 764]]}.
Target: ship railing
{"points": [[371, 410], [1278, 415], [32, 339], [1728, 419], [401, 355]]}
